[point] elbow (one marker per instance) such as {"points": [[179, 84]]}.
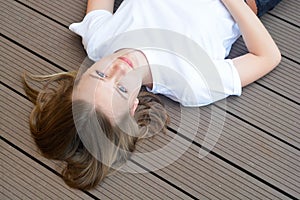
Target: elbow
{"points": [[277, 57], [274, 58]]}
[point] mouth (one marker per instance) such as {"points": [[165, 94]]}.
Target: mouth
{"points": [[126, 60]]}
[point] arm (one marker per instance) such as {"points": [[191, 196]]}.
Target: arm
{"points": [[100, 4], [263, 53]]}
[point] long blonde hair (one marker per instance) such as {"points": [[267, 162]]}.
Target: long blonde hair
{"points": [[55, 126]]}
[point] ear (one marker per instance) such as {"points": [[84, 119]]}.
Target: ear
{"points": [[134, 107]]}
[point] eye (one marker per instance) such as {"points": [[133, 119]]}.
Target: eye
{"points": [[101, 74], [122, 88]]}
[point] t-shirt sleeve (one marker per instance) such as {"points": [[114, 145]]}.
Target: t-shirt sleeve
{"points": [[229, 76], [89, 25]]}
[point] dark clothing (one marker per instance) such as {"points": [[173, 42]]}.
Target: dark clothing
{"points": [[264, 6]]}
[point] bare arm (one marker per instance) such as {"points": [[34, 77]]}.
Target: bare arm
{"points": [[263, 53], [100, 4]]}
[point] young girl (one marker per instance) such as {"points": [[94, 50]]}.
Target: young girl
{"points": [[93, 123]]}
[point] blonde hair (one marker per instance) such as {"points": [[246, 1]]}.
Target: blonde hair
{"points": [[55, 128]]}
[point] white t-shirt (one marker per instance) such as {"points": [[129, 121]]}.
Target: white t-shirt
{"points": [[206, 23]]}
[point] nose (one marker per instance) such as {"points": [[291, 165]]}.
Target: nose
{"points": [[117, 70]]}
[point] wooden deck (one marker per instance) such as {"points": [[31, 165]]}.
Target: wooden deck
{"points": [[256, 156]]}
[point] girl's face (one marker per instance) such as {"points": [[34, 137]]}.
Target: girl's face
{"points": [[112, 84]]}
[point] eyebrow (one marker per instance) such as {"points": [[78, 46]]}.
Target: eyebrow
{"points": [[102, 79]]}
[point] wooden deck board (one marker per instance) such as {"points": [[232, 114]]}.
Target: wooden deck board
{"points": [[34, 64], [60, 10], [246, 146], [285, 35], [40, 34], [17, 111], [215, 179], [14, 128], [285, 75], [279, 115], [65, 12], [19, 171], [78, 56], [256, 156], [288, 10]]}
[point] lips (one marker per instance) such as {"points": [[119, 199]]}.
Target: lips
{"points": [[127, 61]]}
